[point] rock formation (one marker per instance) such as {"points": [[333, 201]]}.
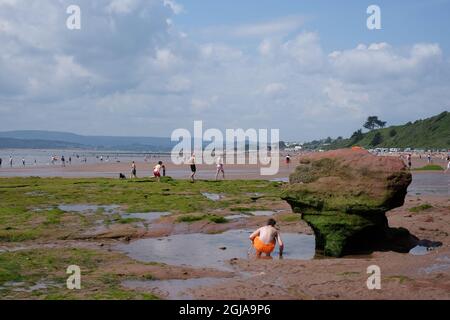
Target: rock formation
{"points": [[344, 195]]}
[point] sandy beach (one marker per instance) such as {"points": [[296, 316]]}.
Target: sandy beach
{"points": [[111, 169]]}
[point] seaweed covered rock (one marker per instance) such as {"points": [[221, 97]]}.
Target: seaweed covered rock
{"points": [[344, 195]]}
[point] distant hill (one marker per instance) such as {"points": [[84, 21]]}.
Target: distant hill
{"points": [[51, 139], [10, 143], [430, 133]]}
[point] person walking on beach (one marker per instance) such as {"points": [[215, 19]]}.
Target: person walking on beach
{"points": [[408, 158], [193, 167], [70, 160], [10, 161], [23, 162], [133, 170], [63, 161], [1, 162], [219, 167], [288, 160], [448, 165], [157, 171], [264, 239], [429, 158]]}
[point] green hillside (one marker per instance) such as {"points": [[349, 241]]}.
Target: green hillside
{"points": [[430, 133]]}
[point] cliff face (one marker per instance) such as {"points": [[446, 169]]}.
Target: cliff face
{"points": [[344, 195]]}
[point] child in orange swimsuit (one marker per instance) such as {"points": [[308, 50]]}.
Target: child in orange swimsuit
{"points": [[264, 239]]}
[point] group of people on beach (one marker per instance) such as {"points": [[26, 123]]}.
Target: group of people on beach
{"points": [[192, 166], [156, 170]]}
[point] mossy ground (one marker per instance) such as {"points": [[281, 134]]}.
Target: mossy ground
{"points": [[430, 167], [29, 214], [29, 206], [21, 270], [420, 208]]}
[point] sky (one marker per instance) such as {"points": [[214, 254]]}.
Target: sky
{"points": [[311, 69]]}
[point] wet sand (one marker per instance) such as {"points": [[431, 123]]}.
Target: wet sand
{"points": [[144, 169]]}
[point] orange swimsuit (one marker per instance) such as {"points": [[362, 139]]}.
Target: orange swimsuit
{"points": [[260, 246]]}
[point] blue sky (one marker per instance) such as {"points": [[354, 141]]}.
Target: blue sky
{"points": [[341, 24], [147, 67]]}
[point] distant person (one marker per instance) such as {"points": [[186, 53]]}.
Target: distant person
{"points": [[35, 162], [70, 160], [23, 162], [101, 158], [264, 239], [63, 161], [288, 160], [157, 171], [193, 167], [429, 158], [219, 167], [448, 165], [133, 170], [10, 162], [408, 158], [1, 162]]}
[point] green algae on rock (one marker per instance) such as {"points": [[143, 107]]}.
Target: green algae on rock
{"points": [[344, 195]]}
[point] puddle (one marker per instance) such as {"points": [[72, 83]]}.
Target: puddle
{"points": [[237, 216], [36, 194], [20, 286], [212, 196], [147, 216], [430, 184], [172, 289], [280, 180], [420, 250], [83, 208], [212, 250], [437, 267], [262, 213], [255, 194]]}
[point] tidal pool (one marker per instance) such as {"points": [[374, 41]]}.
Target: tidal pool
{"points": [[263, 213], [212, 196], [420, 250], [83, 208], [212, 250], [284, 179], [430, 183]]}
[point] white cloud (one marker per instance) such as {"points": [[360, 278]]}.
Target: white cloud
{"points": [[279, 26], [274, 89], [174, 6], [122, 6], [129, 71]]}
